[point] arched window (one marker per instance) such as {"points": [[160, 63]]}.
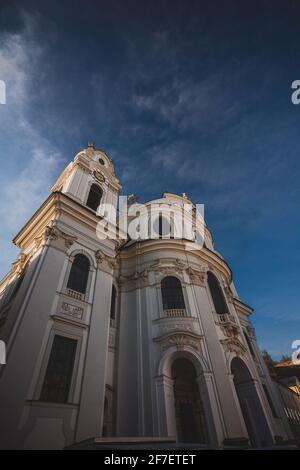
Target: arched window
{"points": [[163, 227], [79, 274], [172, 295], [217, 294], [94, 197], [113, 303]]}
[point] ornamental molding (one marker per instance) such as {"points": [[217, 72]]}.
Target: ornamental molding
{"points": [[179, 339], [167, 270], [250, 331], [233, 345], [72, 310], [136, 279], [197, 277], [54, 233], [18, 266], [230, 330], [70, 321], [84, 167], [105, 261], [99, 176], [168, 265], [65, 174], [166, 328]]}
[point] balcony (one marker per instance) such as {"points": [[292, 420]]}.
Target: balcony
{"points": [[175, 321], [226, 318], [174, 313], [227, 323], [73, 293]]}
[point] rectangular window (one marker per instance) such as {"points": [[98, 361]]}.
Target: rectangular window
{"points": [[59, 371]]}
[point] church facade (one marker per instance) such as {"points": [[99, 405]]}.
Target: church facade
{"points": [[138, 338]]}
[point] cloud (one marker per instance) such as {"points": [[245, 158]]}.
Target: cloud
{"points": [[22, 195], [189, 97], [189, 105], [31, 159]]}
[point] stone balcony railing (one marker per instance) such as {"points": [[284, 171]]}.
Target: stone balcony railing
{"points": [[225, 318], [74, 294], [227, 323], [174, 312], [175, 321]]}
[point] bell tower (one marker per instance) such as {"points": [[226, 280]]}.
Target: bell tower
{"points": [[88, 178], [55, 310]]}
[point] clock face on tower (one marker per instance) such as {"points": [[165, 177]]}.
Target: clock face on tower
{"points": [[99, 176]]}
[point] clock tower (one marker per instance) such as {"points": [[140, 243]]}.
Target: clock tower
{"points": [[55, 308], [90, 167]]}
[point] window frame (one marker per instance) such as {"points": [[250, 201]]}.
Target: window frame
{"points": [[163, 220], [60, 331], [85, 293], [68, 371], [181, 290], [227, 311], [93, 184]]}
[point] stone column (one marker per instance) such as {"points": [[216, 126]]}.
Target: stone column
{"points": [[166, 406], [213, 418], [238, 407], [90, 415]]}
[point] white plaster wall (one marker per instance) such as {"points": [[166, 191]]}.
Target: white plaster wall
{"points": [[16, 376]]}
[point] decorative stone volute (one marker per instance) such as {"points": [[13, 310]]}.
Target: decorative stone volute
{"points": [[105, 262], [233, 345], [180, 340], [54, 233], [18, 266]]}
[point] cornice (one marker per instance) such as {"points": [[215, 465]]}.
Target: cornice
{"points": [[64, 175], [179, 339], [37, 222], [53, 207], [242, 307], [211, 259]]}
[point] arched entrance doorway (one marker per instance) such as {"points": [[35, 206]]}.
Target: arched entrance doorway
{"points": [[189, 412], [254, 417]]}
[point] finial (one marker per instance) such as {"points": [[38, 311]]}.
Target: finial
{"points": [[91, 144]]}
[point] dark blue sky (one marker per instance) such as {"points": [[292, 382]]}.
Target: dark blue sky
{"points": [[190, 96]]}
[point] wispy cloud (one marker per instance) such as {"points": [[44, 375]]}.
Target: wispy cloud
{"points": [[31, 159]]}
